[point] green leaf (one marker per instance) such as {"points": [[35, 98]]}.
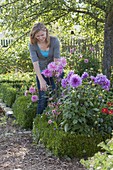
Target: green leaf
{"points": [[75, 121], [66, 127], [95, 109], [91, 104]]}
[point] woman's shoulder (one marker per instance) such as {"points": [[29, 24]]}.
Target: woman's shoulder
{"points": [[54, 39], [31, 46]]}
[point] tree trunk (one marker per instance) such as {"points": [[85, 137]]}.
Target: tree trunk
{"points": [[108, 45]]}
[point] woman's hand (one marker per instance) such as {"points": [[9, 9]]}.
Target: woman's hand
{"points": [[56, 60], [43, 85]]}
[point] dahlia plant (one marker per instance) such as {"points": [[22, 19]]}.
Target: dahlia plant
{"points": [[77, 107], [33, 92], [83, 97], [55, 70]]}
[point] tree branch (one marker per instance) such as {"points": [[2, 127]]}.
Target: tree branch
{"points": [[83, 11], [96, 4], [91, 15]]}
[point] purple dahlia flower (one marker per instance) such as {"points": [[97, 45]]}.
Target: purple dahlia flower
{"points": [[75, 80]]}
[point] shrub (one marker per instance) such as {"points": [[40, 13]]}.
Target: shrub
{"points": [[24, 111], [101, 160], [62, 143], [8, 94], [70, 122], [3, 87]]}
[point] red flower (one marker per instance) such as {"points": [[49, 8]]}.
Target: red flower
{"points": [[110, 112], [110, 104], [105, 110]]}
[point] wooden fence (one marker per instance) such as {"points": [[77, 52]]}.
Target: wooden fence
{"points": [[83, 45], [80, 45], [5, 42]]}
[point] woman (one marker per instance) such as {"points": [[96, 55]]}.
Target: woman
{"points": [[43, 50]]}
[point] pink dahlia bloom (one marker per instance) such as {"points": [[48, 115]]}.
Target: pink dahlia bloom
{"points": [[32, 89], [81, 56], [26, 93], [50, 121], [63, 61], [86, 60], [72, 50], [59, 70], [47, 73], [52, 66], [91, 48], [34, 98]]}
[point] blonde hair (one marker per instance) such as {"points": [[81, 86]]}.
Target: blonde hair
{"points": [[35, 29]]}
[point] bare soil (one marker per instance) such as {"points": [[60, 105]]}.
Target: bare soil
{"points": [[17, 151]]}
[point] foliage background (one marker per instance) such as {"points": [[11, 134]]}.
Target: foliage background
{"points": [[59, 16]]}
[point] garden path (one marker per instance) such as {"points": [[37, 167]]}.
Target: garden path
{"points": [[17, 151]]}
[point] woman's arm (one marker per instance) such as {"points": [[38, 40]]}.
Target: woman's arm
{"points": [[35, 62], [43, 84], [56, 53]]}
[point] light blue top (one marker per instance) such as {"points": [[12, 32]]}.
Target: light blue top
{"points": [[44, 53]]}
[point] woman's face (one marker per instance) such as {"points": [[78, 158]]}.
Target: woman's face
{"points": [[41, 36]]}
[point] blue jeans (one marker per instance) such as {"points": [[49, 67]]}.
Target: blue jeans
{"points": [[42, 102]]}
